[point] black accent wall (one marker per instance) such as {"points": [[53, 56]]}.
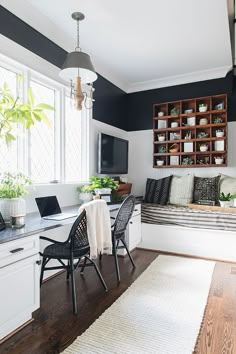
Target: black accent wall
{"points": [[112, 105]]}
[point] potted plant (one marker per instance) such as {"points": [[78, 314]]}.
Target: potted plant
{"points": [[202, 134], [14, 112], [220, 133], [225, 200], [203, 147], [202, 107], [85, 192], [12, 188], [217, 120], [161, 137], [218, 160], [103, 185]]}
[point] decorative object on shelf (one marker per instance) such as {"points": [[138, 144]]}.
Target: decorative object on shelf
{"points": [[160, 114], [219, 145], [188, 147], [202, 107], [218, 160], [191, 121], [162, 124], [161, 137], [175, 136], [12, 188], [160, 162], [17, 222], [187, 111], [174, 111], [220, 133], [205, 160], [174, 148], [78, 69], [203, 121], [13, 113], [174, 160], [162, 149], [188, 135], [225, 200], [174, 124], [203, 147], [202, 134], [217, 120], [187, 161], [219, 106]]}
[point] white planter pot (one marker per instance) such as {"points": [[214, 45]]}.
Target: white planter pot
{"points": [[86, 197], [203, 109], [12, 207], [233, 202], [102, 191], [225, 204]]}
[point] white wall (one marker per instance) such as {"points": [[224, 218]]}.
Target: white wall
{"points": [[140, 160]]}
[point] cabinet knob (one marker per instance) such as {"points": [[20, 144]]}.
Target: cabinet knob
{"points": [[131, 222], [17, 250], [135, 209], [38, 262]]}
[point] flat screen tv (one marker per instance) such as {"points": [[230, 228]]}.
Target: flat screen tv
{"points": [[112, 155]]}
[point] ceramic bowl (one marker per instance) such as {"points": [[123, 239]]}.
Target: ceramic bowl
{"points": [[219, 134], [188, 111], [161, 138], [160, 114], [219, 161], [160, 162], [174, 124], [203, 121], [203, 109], [203, 148]]}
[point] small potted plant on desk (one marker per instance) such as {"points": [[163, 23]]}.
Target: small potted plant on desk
{"points": [[225, 200], [85, 193], [12, 188], [103, 185]]}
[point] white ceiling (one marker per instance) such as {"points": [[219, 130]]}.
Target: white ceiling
{"points": [[139, 45]]}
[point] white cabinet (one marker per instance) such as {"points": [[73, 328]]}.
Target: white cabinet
{"points": [[19, 279]]}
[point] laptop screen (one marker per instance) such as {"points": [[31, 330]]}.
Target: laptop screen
{"points": [[48, 205]]}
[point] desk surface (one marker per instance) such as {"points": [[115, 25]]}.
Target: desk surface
{"points": [[35, 224]]}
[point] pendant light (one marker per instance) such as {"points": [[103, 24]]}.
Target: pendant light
{"points": [[78, 69]]}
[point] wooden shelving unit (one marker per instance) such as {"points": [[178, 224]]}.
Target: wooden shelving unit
{"points": [[188, 131]]}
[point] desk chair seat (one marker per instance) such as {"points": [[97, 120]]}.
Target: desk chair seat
{"points": [[118, 231], [72, 250]]}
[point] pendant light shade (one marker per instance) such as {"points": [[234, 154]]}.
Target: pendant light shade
{"points": [[78, 64]]}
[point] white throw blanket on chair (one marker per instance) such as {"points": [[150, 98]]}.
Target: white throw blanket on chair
{"points": [[98, 226]]}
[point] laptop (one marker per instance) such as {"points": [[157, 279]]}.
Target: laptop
{"points": [[49, 209]]}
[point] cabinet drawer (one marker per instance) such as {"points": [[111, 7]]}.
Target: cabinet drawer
{"points": [[137, 210], [16, 250]]}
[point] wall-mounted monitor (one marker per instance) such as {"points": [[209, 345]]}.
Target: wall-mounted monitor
{"points": [[112, 154]]}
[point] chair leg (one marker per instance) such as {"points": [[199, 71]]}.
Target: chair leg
{"points": [[129, 254], [82, 269], [100, 256], [99, 274], [73, 285], [42, 270], [68, 270], [116, 260]]}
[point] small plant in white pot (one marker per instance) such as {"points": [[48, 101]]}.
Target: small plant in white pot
{"points": [[202, 107], [85, 193], [12, 188], [103, 185], [225, 200]]}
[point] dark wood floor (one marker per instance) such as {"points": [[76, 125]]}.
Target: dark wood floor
{"points": [[55, 327]]}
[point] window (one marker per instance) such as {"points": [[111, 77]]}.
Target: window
{"points": [[46, 152]]}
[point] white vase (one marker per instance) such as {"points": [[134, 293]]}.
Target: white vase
{"points": [[102, 191], [12, 207], [86, 197]]}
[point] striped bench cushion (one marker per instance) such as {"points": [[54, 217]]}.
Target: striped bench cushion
{"points": [[184, 216]]}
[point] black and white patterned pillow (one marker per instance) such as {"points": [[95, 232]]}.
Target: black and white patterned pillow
{"points": [[206, 188], [157, 190]]}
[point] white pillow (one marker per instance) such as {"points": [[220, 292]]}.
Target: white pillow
{"points": [[181, 190], [227, 184]]}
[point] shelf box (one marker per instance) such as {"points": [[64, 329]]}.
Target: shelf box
{"points": [[162, 124], [174, 160], [219, 145], [188, 147]]}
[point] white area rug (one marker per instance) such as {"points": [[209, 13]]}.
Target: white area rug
{"points": [[160, 313]]}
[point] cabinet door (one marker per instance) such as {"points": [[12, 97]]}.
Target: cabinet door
{"points": [[134, 231], [19, 294]]}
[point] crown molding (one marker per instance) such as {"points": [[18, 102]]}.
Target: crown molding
{"points": [[196, 76]]}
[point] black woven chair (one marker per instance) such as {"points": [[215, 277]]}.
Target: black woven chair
{"points": [[118, 231], [74, 248]]}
